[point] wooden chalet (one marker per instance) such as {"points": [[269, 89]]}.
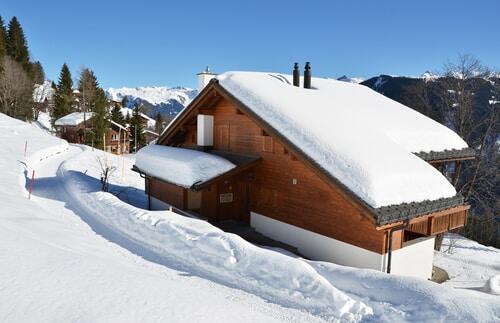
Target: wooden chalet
{"points": [[279, 182], [72, 127], [75, 126]]}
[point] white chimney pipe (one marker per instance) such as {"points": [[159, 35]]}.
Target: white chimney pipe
{"points": [[204, 78]]}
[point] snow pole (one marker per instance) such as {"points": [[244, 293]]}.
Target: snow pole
{"points": [[25, 148], [31, 184]]}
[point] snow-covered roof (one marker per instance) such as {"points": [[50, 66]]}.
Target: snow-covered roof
{"points": [[150, 121], [180, 166], [151, 132], [73, 119], [118, 125], [360, 137]]}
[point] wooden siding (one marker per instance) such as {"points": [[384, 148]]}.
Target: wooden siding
{"points": [[439, 222], [169, 193], [283, 187]]}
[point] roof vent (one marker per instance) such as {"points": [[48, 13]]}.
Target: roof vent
{"points": [[307, 76], [296, 75]]}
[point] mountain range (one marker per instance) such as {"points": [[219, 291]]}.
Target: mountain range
{"points": [[167, 101]]}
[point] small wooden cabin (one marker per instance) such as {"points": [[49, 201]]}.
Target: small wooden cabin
{"points": [[302, 185], [72, 127]]}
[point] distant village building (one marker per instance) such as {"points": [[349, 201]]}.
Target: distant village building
{"points": [[72, 127], [77, 126], [334, 169], [150, 135]]}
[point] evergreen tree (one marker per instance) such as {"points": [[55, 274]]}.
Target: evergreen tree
{"points": [[136, 130], [117, 115], [88, 87], [3, 39], [159, 123], [63, 96], [17, 47], [38, 72], [101, 123]]}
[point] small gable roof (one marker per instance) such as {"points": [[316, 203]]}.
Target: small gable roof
{"points": [[73, 119]]}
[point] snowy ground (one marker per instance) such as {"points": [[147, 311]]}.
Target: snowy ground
{"points": [[468, 263], [72, 253]]}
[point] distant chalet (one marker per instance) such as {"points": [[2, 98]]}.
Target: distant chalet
{"points": [[77, 126], [336, 169]]}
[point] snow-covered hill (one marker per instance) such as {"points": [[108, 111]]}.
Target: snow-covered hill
{"points": [[166, 100]]}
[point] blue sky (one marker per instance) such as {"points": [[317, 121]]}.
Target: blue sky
{"points": [[139, 43]]}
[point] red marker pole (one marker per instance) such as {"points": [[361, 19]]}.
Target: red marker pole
{"points": [[31, 183]]}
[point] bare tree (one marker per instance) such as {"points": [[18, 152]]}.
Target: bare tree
{"points": [[16, 91]]}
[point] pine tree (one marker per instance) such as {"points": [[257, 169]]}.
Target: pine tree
{"points": [[101, 118], [88, 87], [63, 96], [3, 39], [38, 72], [17, 47], [117, 115], [159, 123], [136, 130]]}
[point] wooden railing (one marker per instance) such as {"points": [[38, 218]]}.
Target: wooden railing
{"points": [[440, 222]]}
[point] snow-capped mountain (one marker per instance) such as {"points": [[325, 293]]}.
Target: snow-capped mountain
{"points": [[168, 101], [345, 78]]}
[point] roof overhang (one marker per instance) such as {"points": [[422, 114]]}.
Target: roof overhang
{"points": [[435, 157]]}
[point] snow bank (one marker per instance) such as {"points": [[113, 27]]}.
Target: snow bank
{"points": [[55, 268], [468, 263], [210, 252], [406, 299], [359, 136], [180, 166], [493, 285], [73, 119]]}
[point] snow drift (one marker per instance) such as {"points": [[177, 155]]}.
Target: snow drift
{"points": [[212, 253]]}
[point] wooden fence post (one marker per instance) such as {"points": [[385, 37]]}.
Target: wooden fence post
{"points": [[31, 183]]}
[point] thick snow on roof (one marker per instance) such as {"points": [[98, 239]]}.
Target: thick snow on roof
{"points": [[151, 121], [180, 166], [359, 136], [73, 119], [118, 125]]}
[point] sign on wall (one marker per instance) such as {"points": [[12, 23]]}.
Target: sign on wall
{"points": [[226, 198]]}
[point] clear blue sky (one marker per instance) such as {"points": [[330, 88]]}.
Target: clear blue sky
{"points": [[139, 43]]}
